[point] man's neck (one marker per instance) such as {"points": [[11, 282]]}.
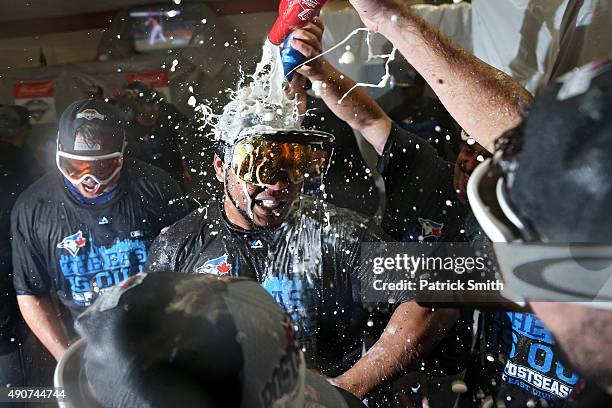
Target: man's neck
{"points": [[234, 216]]}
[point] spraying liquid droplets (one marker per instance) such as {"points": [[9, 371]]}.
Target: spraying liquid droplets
{"points": [[260, 105]]}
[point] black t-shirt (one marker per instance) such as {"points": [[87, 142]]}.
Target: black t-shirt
{"points": [[421, 202], [425, 117], [517, 360], [311, 264], [348, 182], [18, 169], [422, 206], [159, 144], [79, 250]]}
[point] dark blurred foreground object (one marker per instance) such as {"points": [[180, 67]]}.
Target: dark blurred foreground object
{"points": [[168, 339]]}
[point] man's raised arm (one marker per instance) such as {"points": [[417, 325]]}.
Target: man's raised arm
{"points": [[358, 109], [483, 100]]}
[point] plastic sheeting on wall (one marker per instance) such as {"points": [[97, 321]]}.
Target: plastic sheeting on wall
{"points": [[453, 20], [534, 41]]}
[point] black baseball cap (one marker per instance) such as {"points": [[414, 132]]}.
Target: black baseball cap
{"points": [[173, 339], [106, 120]]}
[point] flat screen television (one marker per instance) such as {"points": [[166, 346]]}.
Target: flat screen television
{"points": [[163, 27]]}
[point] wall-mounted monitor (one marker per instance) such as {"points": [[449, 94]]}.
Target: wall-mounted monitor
{"points": [[162, 27]]}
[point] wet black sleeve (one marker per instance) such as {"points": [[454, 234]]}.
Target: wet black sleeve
{"points": [[176, 205], [30, 275], [163, 253], [417, 182], [170, 251], [162, 193]]}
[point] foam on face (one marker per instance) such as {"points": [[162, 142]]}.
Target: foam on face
{"points": [[259, 105]]}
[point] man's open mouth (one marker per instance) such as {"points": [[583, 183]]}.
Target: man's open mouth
{"points": [[90, 186], [269, 206]]}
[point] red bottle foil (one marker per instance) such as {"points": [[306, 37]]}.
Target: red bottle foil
{"points": [[293, 14]]}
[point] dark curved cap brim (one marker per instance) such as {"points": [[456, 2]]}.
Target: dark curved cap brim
{"points": [[70, 375]]}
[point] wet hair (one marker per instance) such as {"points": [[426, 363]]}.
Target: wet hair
{"points": [[91, 134]]}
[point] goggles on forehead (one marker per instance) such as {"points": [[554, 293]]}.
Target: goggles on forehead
{"points": [[260, 160], [533, 268], [102, 169]]}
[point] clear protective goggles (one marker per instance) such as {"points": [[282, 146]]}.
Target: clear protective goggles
{"points": [[259, 160], [533, 268], [102, 169]]}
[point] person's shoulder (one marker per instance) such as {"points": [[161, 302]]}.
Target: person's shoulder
{"points": [[194, 222], [43, 195], [339, 220], [45, 188]]}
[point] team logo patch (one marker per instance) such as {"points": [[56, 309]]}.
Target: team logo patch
{"points": [[37, 108], [73, 243], [256, 244], [136, 234], [103, 221], [90, 114], [217, 266], [431, 228], [288, 329]]}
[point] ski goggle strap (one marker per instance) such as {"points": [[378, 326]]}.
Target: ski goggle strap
{"points": [[102, 169], [258, 160]]}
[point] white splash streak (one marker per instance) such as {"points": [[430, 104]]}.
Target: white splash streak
{"points": [[348, 37], [385, 78]]}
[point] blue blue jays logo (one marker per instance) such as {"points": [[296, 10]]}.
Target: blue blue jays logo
{"points": [[431, 228], [217, 266], [73, 243]]}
